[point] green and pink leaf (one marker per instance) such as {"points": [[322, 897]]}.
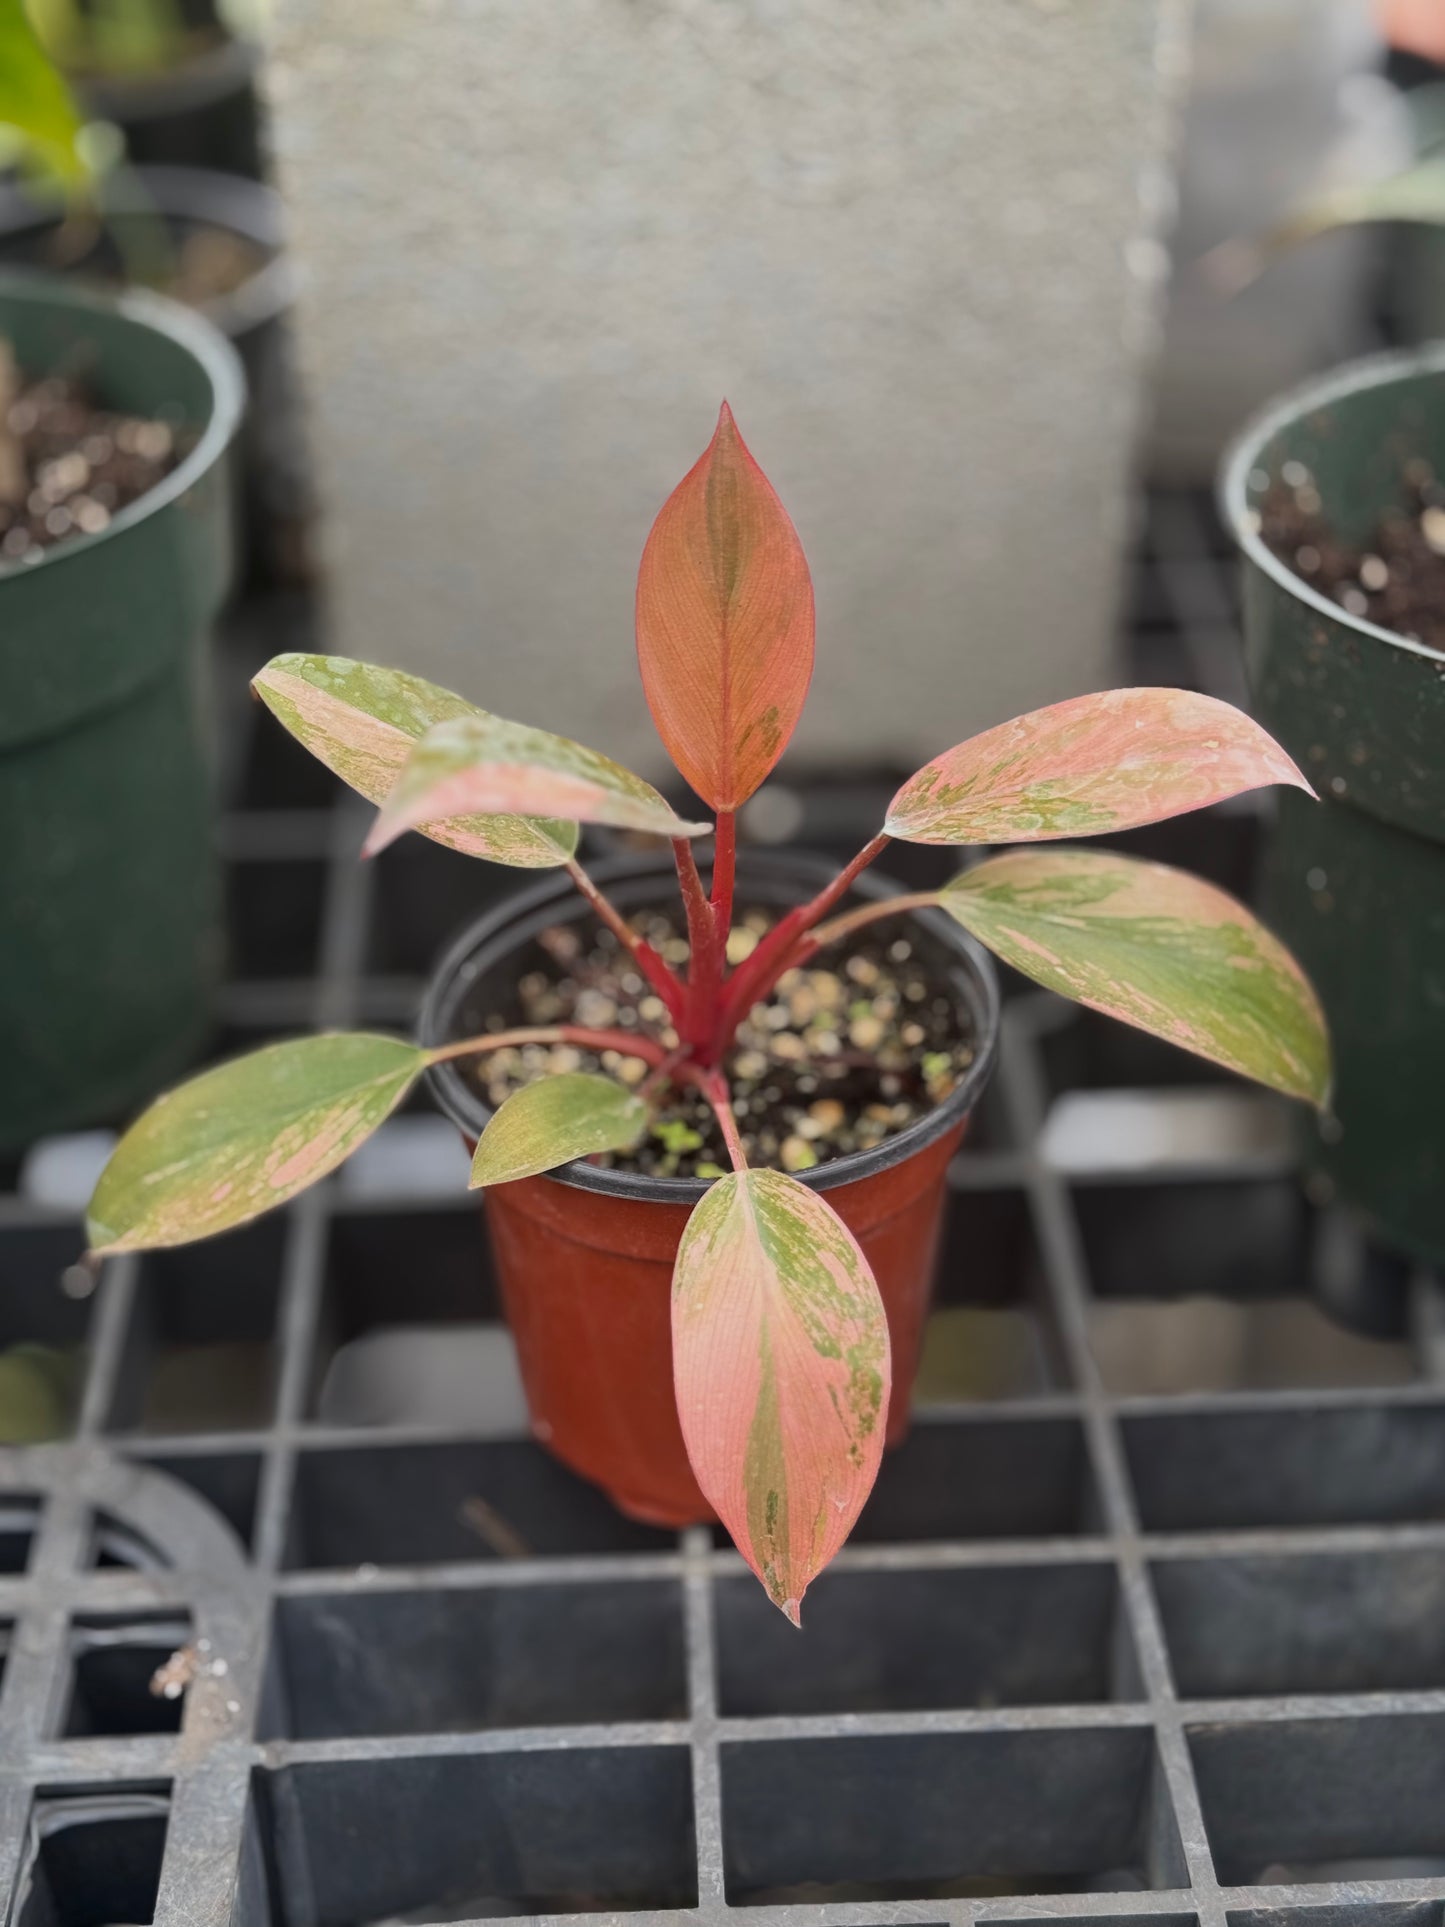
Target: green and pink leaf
{"points": [[724, 622], [781, 1367], [483, 764], [571, 1115], [1158, 949], [1093, 764], [246, 1136], [363, 721]]}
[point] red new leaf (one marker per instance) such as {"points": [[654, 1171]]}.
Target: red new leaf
{"points": [[724, 622]]}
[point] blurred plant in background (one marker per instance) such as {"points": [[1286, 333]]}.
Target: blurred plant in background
{"points": [[41, 128], [139, 36]]}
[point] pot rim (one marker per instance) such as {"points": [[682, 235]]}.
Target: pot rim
{"points": [[203, 77], [204, 196], [189, 331], [469, 1112], [1242, 457]]}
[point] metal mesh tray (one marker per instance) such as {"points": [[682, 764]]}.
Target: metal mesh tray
{"points": [[1146, 1620]]}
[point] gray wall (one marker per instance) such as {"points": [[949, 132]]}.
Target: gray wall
{"points": [[914, 242]]}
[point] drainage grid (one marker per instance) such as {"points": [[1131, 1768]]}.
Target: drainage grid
{"points": [[1146, 1620]]}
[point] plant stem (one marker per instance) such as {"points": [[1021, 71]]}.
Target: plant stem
{"points": [[648, 962], [774, 954], [724, 870], [844, 926], [703, 967], [713, 1086], [661, 1074], [626, 1043]]}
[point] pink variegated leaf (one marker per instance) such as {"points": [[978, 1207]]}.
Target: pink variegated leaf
{"points": [[242, 1138], [1089, 765], [724, 622], [781, 1367], [1157, 948], [483, 764], [362, 722]]}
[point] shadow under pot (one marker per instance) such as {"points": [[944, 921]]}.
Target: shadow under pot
{"points": [[585, 1254], [1355, 883], [108, 872]]}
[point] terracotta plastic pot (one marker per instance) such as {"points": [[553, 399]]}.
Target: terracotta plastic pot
{"points": [[585, 1255]]}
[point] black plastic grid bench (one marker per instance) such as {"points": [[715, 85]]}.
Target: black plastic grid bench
{"points": [[1093, 1652]]}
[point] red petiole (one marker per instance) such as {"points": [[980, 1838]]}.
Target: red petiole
{"points": [[708, 1008], [627, 1043], [672, 992], [776, 953]]}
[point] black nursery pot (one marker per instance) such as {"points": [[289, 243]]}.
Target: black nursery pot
{"points": [[1355, 883], [585, 1255], [205, 112], [275, 497]]}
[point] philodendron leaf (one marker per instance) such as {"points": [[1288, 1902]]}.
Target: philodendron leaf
{"points": [[724, 622], [246, 1136], [557, 1118], [781, 1366], [1095, 763], [1164, 951], [362, 722], [482, 763], [35, 102]]}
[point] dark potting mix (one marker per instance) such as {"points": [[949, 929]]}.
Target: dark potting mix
{"points": [[1396, 579], [68, 467], [846, 1051]]}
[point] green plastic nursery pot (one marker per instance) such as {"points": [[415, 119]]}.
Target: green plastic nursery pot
{"points": [[1355, 884], [108, 875]]}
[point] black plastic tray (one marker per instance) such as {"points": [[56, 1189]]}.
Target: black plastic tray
{"points": [[1147, 1618]]}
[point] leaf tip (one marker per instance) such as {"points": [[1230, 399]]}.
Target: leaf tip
{"points": [[792, 1611], [383, 831]]}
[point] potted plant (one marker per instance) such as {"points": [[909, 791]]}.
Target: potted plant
{"points": [[1333, 499], [213, 240], [178, 77], [738, 1339], [115, 419], [216, 242]]}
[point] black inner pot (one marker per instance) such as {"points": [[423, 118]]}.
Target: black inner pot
{"points": [[480, 970]]}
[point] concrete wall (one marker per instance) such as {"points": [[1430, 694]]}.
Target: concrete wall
{"points": [[914, 242]]}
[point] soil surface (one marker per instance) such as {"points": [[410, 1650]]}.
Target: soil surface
{"points": [[1396, 580], [67, 467], [847, 1051]]}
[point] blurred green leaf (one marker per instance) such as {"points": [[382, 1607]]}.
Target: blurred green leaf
{"points": [[35, 103]]}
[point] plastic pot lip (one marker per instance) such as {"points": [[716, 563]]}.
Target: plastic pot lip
{"points": [[1242, 457], [200, 80], [231, 202], [190, 332], [486, 942]]}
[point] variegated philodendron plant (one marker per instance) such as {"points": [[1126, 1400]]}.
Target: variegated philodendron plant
{"points": [[780, 1342]]}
